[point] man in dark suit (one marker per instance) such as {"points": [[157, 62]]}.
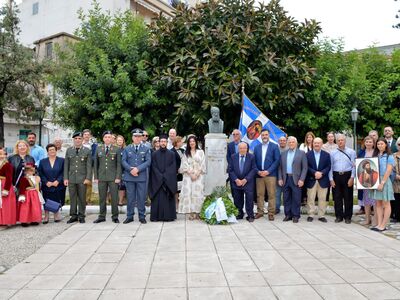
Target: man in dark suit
{"points": [[292, 173], [233, 147], [388, 133], [242, 172], [317, 181], [267, 157]]}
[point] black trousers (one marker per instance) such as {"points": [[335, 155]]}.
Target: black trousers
{"points": [[240, 200], [342, 195], [395, 205]]}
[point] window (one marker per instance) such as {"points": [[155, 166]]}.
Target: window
{"points": [[49, 50], [35, 8]]}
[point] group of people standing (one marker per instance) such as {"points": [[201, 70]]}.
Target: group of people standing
{"points": [[309, 172], [171, 175]]}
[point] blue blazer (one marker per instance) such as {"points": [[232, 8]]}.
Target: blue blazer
{"points": [[272, 158], [229, 152], [48, 173], [140, 159], [249, 171], [324, 167]]}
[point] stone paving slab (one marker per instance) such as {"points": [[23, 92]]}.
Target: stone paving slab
{"points": [[192, 260]]}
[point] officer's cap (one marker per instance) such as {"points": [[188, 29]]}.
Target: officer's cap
{"points": [[107, 132], [77, 134], [137, 132]]}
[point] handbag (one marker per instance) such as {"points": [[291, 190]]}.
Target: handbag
{"points": [[51, 205]]}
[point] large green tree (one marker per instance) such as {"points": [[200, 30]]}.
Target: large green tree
{"points": [[368, 80], [21, 74], [102, 78], [205, 55]]}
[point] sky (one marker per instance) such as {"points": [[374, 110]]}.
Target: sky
{"points": [[361, 23]]}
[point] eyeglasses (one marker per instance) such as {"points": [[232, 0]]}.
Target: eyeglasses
{"points": [[235, 134], [145, 135]]}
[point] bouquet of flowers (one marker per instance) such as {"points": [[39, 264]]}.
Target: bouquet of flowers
{"points": [[218, 208]]}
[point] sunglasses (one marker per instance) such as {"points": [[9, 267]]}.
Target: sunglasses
{"points": [[145, 135]]}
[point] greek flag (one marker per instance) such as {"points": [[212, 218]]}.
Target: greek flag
{"points": [[252, 121]]}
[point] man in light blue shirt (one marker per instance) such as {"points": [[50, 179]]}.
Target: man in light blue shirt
{"points": [[37, 152], [342, 179]]}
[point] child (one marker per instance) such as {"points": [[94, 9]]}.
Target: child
{"points": [[8, 204], [30, 209]]}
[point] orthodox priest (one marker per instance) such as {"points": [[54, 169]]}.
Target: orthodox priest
{"points": [[163, 185]]}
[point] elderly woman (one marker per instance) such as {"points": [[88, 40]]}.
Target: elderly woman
{"points": [[396, 184], [19, 159], [51, 172]]}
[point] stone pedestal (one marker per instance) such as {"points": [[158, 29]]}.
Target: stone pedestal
{"points": [[215, 151]]}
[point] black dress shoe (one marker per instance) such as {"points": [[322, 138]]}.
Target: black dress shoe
{"points": [[115, 221], [99, 220], [250, 219], [24, 224], [45, 222], [35, 223], [310, 219], [295, 220], [287, 219], [57, 221], [143, 221], [323, 220], [72, 220], [239, 217], [82, 220], [338, 220], [128, 220], [348, 221]]}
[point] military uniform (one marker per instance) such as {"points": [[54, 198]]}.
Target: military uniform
{"points": [[138, 156], [77, 168], [107, 168]]}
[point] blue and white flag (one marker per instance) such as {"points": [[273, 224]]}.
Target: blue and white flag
{"points": [[252, 121]]}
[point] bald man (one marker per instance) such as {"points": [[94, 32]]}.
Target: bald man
{"points": [[317, 180]]}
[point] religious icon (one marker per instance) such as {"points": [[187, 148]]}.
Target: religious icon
{"points": [[367, 170], [254, 130]]}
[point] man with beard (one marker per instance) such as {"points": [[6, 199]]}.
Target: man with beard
{"points": [[368, 176], [37, 152], [163, 184]]}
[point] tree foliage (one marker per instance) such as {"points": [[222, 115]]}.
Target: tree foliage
{"points": [[21, 74], [368, 80], [102, 78], [202, 56]]}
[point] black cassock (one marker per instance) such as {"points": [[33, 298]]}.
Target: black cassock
{"points": [[163, 185]]}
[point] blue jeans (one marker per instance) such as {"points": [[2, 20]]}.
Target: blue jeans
{"points": [[136, 193]]}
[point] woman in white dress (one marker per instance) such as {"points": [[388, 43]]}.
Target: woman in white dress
{"points": [[193, 167]]}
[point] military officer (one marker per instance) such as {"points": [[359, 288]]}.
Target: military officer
{"points": [[107, 173], [136, 160], [77, 174]]}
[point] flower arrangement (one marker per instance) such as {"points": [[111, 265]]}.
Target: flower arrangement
{"points": [[218, 193]]}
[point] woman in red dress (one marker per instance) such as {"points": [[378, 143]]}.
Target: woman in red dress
{"points": [[8, 204], [30, 208]]}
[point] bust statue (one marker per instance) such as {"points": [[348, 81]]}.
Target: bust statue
{"points": [[215, 124]]}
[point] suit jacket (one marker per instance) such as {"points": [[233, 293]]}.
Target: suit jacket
{"points": [[230, 151], [78, 167], [140, 159], [324, 167], [249, 171], [48, 173], [271, 162], [393, 147], [299, 166], [107, 167]]}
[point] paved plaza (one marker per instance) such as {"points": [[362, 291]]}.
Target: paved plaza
{"points": [[191, 260]]}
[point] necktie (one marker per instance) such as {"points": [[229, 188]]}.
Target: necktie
{"points": [[77, 150], [136, 148], [106, 150], [241, 163]]}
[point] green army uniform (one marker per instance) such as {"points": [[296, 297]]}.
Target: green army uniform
{"points": [[107, 168], [77, 168]]}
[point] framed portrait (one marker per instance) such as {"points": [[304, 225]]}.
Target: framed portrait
{"points": [[367, 173]]}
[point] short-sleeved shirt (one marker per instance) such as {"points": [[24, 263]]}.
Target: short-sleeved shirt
{"points": [[384, 160]]}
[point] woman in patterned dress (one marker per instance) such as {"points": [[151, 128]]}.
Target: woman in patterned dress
{"points": [[193, 167], [8, 204]]}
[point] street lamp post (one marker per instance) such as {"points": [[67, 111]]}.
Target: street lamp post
{"points": [[354, 117]]}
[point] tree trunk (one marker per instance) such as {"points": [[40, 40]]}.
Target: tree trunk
{"points": [[1, 127]]}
